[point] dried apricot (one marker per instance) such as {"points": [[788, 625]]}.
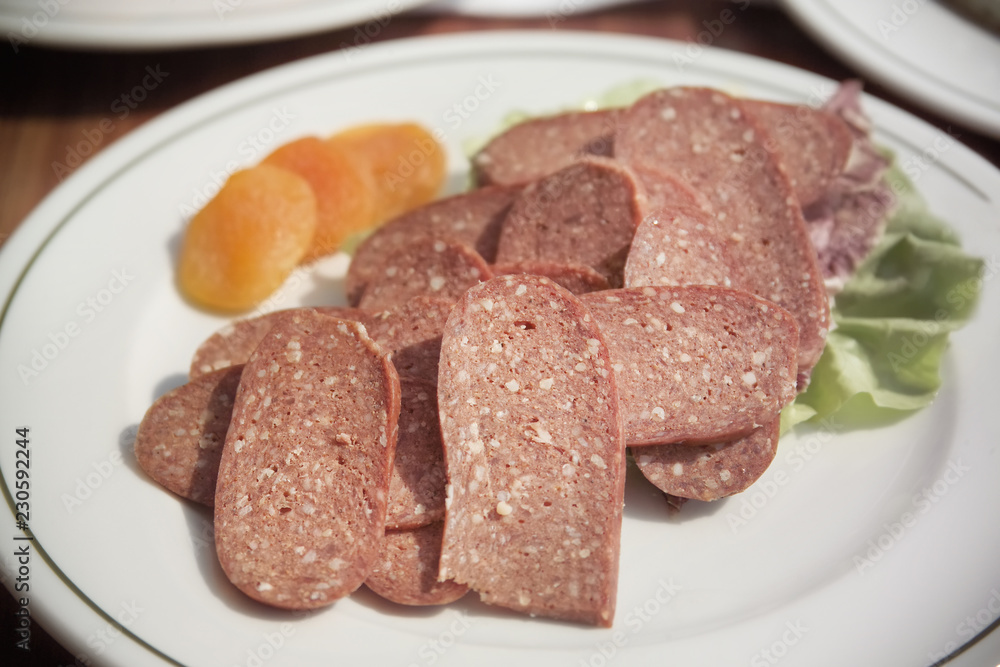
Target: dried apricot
{"points": [[345, 201], [405, 162], [244, 243]]}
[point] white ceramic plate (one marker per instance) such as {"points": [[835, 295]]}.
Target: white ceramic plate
{"points": [[153, 24], [919, 48], [778, 571]]}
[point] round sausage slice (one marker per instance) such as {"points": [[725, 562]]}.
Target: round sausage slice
{"points": [[533, 451], [303, 484]]}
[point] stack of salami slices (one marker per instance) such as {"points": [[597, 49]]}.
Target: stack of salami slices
{"points": [[654, 278]]}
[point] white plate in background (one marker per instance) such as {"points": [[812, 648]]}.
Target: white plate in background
{"points": [[522, 8], [155, 24], [781, 569], [921, 49]]}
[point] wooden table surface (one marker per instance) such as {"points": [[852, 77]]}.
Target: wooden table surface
{"points": [[52, 99]]}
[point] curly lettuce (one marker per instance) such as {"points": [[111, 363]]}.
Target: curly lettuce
{"points": [[892, 321]]}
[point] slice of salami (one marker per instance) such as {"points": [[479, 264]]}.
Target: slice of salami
{"points": [[533, 451], [811, 144], [538, 147], [407, 568], [577, 278], [416, 490], [585, 214], [707, 140], [472, 218], [179, 442], [303, 484], [696, 364], [412, 332], [426, 267], [710, 472], [678, 246], [233, 344], [677, 242]]}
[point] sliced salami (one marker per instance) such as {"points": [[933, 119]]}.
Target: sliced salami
{"points": [[233, 344], [696, 364], [538, 147], [179, 442], [412, 332], [533, 451], [303, 484], [586, 213], [407, 568], [472, 218], [713, 471], [426, 267], [678, 246], [577, 278], [416, 490], [707, 140], [812, 145]]}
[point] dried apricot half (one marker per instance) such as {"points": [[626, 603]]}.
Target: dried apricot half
{"points": [[345, 201], [244, 243], [405, 162]]}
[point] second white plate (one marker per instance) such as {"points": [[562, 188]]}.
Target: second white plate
{"points": [[921, 49]]}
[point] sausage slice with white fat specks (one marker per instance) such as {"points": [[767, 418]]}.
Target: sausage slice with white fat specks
{"points": [[427, 267], [677, 242], [416, 490], [179, 442], [472, 218], [533, 451], [813, 145], [407, 568], [709, 472], [412, 332], [303, 484], [577, 278], [586, 213], [706, 139], [696, 364], [233, 343], [538, 147]]}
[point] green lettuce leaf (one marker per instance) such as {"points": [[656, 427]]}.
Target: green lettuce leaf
{"points": [[892, 321]]}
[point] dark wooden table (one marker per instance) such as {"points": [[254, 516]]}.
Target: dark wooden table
{"points": [[52, 99]]}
